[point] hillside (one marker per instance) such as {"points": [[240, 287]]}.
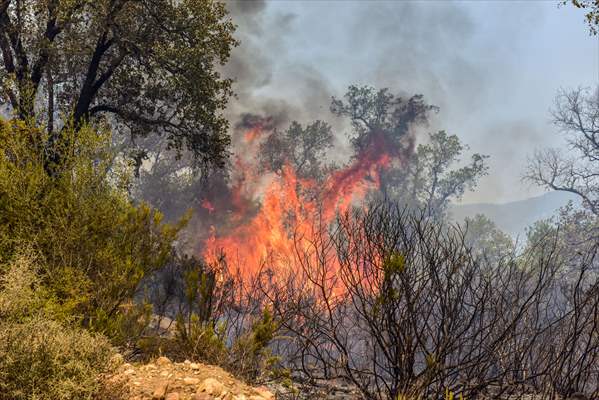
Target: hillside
{"points": [[514, 217]]}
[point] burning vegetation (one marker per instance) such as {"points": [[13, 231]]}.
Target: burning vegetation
{"points": [[283, 189], [318, 257]]}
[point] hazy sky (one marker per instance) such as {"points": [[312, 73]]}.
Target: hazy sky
{"points": [[493, 67]]}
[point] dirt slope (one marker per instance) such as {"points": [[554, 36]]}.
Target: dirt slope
{"points": [[165, 380]]}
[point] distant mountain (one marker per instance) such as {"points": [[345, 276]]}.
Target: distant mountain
{"points": [[515, 216]]}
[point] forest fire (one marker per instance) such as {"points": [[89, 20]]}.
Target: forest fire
{"points": [[291, 207]]}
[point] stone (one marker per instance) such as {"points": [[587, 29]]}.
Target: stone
{"points": [[161, 361], [211, 386], [160, 391], [194, 366], [264, 393], [172, 396], [201, 396], [190, 381], [227, 396]]}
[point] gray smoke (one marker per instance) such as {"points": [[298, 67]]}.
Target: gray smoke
{"points": [[263, 54], [465, 57]]}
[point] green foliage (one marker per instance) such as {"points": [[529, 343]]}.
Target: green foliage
{"points": [[125, 327], [395, 264], [374, 111], [428, 177], [199, 340], [431, 180], [486, 239], [302, 148], [145, 66], [41, 358], [93, 245], [250, 355]]}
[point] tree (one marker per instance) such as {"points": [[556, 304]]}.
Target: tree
{"points": [[420, 178], [430, 181], [576, 114], [486, 239], [146, 66], [373, 111], [592, 12], [304, 149]]}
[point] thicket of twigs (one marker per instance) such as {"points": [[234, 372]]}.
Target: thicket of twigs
{"points": [[397, 304]]}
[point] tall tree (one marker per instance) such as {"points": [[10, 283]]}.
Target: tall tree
{"points": [[431, 178], [373, 111], [576, 115], [147, 66], [422, 177]]}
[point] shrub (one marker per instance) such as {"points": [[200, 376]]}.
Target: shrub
{"points": [[41, 358], [220, 321], [94, 245], [250, 355]]}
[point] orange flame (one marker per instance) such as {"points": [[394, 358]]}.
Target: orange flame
{"points": [[289, 207]]}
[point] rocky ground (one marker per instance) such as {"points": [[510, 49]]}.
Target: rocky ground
{"points": [[166, 380]]}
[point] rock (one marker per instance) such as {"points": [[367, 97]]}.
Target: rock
{"points": [[264, 393], [240, 397], [201, 396], [211, 386], [172, 396], [255, 397], [191, 381], [194, 366], [160, 391], [162, 361]]}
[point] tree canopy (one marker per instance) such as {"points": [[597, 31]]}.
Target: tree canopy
{"points": [[302, 148], [426, 175], [147, 66]]}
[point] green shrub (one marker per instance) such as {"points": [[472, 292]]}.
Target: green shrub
{"points": [[250, 355], [41, 358], [93, 244]]}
